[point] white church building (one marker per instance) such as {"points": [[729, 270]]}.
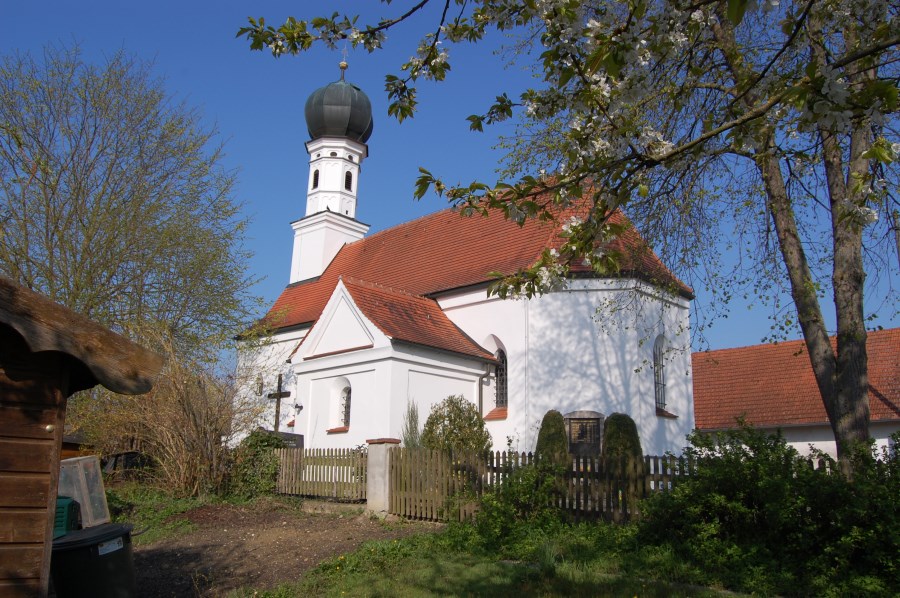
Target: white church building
{"points": [[370, 324]]}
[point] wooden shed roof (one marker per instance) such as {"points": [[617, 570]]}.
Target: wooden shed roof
{"points": [[107, 358]]}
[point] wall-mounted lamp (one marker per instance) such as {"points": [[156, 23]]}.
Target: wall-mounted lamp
{"points": [[298, 407]]}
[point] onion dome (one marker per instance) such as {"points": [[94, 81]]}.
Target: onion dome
{"points": [[339, 109]]}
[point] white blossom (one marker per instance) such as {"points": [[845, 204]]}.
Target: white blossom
{"points": [[572, 223]]}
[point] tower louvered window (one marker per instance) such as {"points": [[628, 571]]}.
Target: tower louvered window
{"points": [[348, 181], [315, 184]]}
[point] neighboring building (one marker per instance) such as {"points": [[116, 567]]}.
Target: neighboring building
{"points": [[369, 324], [773, 388]]}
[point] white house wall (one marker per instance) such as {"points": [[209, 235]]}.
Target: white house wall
{"points": [[822, 438], [499, 324], [382, 379], [564, 355], [268, 358], [426, 377], [345, 329]]}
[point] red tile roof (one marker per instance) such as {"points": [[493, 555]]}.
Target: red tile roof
{"points": [[411, 319], [445, 251], [773, 385]]}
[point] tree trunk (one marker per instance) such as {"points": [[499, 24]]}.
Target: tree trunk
{"points": [[849, 406], [841, 375]]}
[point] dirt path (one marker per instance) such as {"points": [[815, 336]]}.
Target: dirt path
{"points": [[256, 547]]}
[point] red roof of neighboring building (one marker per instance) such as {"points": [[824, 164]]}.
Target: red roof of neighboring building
{"points": [[411, 319], [445, 251], [773, 385]]}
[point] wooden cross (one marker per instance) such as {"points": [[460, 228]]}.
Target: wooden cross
{"points": [[278, 395]]}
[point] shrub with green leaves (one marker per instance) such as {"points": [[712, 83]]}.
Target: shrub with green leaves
{"points": [[757, 517], [455, 424], [552, 444], [622, 458], [254, 468], [524, 503]]}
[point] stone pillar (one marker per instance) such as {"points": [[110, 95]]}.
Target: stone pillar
{"points": [[378, 481]]}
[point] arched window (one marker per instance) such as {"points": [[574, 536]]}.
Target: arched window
{"points": [[345, 406], [339, 406], [348, 181], [315, 179], [502, 387], [659, 371]]}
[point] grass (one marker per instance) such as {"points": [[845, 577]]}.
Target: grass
{"points": [[156, 513], [437, 565], [152, 511]]}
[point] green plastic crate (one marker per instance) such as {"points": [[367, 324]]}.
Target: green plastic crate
{"points": [[68, 516]]}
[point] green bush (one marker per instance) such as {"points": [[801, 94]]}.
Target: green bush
{"points": [[620, 439], [622, 458], [254, 469], [455, 424], [756, 517], [552, 444]]}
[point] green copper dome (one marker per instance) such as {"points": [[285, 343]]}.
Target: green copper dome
{"points": [[339, 109]]}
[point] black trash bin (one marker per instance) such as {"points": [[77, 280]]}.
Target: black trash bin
{"points": [[95, 561]]}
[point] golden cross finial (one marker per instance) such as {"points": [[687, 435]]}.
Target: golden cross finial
{"points": [[343, 63]]}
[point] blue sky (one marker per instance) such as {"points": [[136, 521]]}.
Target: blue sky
{"points": [[256, 102]]}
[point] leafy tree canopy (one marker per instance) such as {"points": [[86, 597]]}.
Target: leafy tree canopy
{"points": [[765, 129], [114, 202]]}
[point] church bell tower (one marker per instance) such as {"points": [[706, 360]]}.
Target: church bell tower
{"points": [[339, 121]]}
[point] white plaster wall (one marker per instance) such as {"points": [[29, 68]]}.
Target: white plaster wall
{"points": [[368, 372], [331, 193], [367, 411], [427, 377], [345, 329], [317, 239], [268, 358], [381, 378], [563, 354], [491, 322], [822, 438]]}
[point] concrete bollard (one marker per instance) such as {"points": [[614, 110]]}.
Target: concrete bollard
{"points": [[378, 484]]}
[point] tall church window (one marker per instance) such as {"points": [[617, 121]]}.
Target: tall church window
{"points": [[348, 181], [315, 179], [345, 407], [502, 386], [659, 371]]}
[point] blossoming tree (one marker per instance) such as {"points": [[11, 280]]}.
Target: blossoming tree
{"points": [[698, 118]]}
